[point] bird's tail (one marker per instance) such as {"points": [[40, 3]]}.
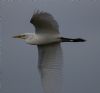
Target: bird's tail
{"points": [[72, 40]]}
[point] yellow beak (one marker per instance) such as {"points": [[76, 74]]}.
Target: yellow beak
{"points": [[19, 36]]}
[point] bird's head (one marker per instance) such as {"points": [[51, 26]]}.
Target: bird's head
{"points": [[27, 37]]}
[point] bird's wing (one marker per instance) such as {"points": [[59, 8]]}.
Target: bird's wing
{"points": [[44, 23], [50, 67]]}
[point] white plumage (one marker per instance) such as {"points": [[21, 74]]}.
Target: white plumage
{"points": [[50, 56], [48, 39]]}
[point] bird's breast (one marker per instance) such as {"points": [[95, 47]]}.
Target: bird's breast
{"points": [[43, 39]]}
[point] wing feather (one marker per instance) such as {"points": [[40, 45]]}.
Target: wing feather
{"points": [[50, 67], [44, 23]]}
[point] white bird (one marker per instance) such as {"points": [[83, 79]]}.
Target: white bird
{"points": [[48, 39]]}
